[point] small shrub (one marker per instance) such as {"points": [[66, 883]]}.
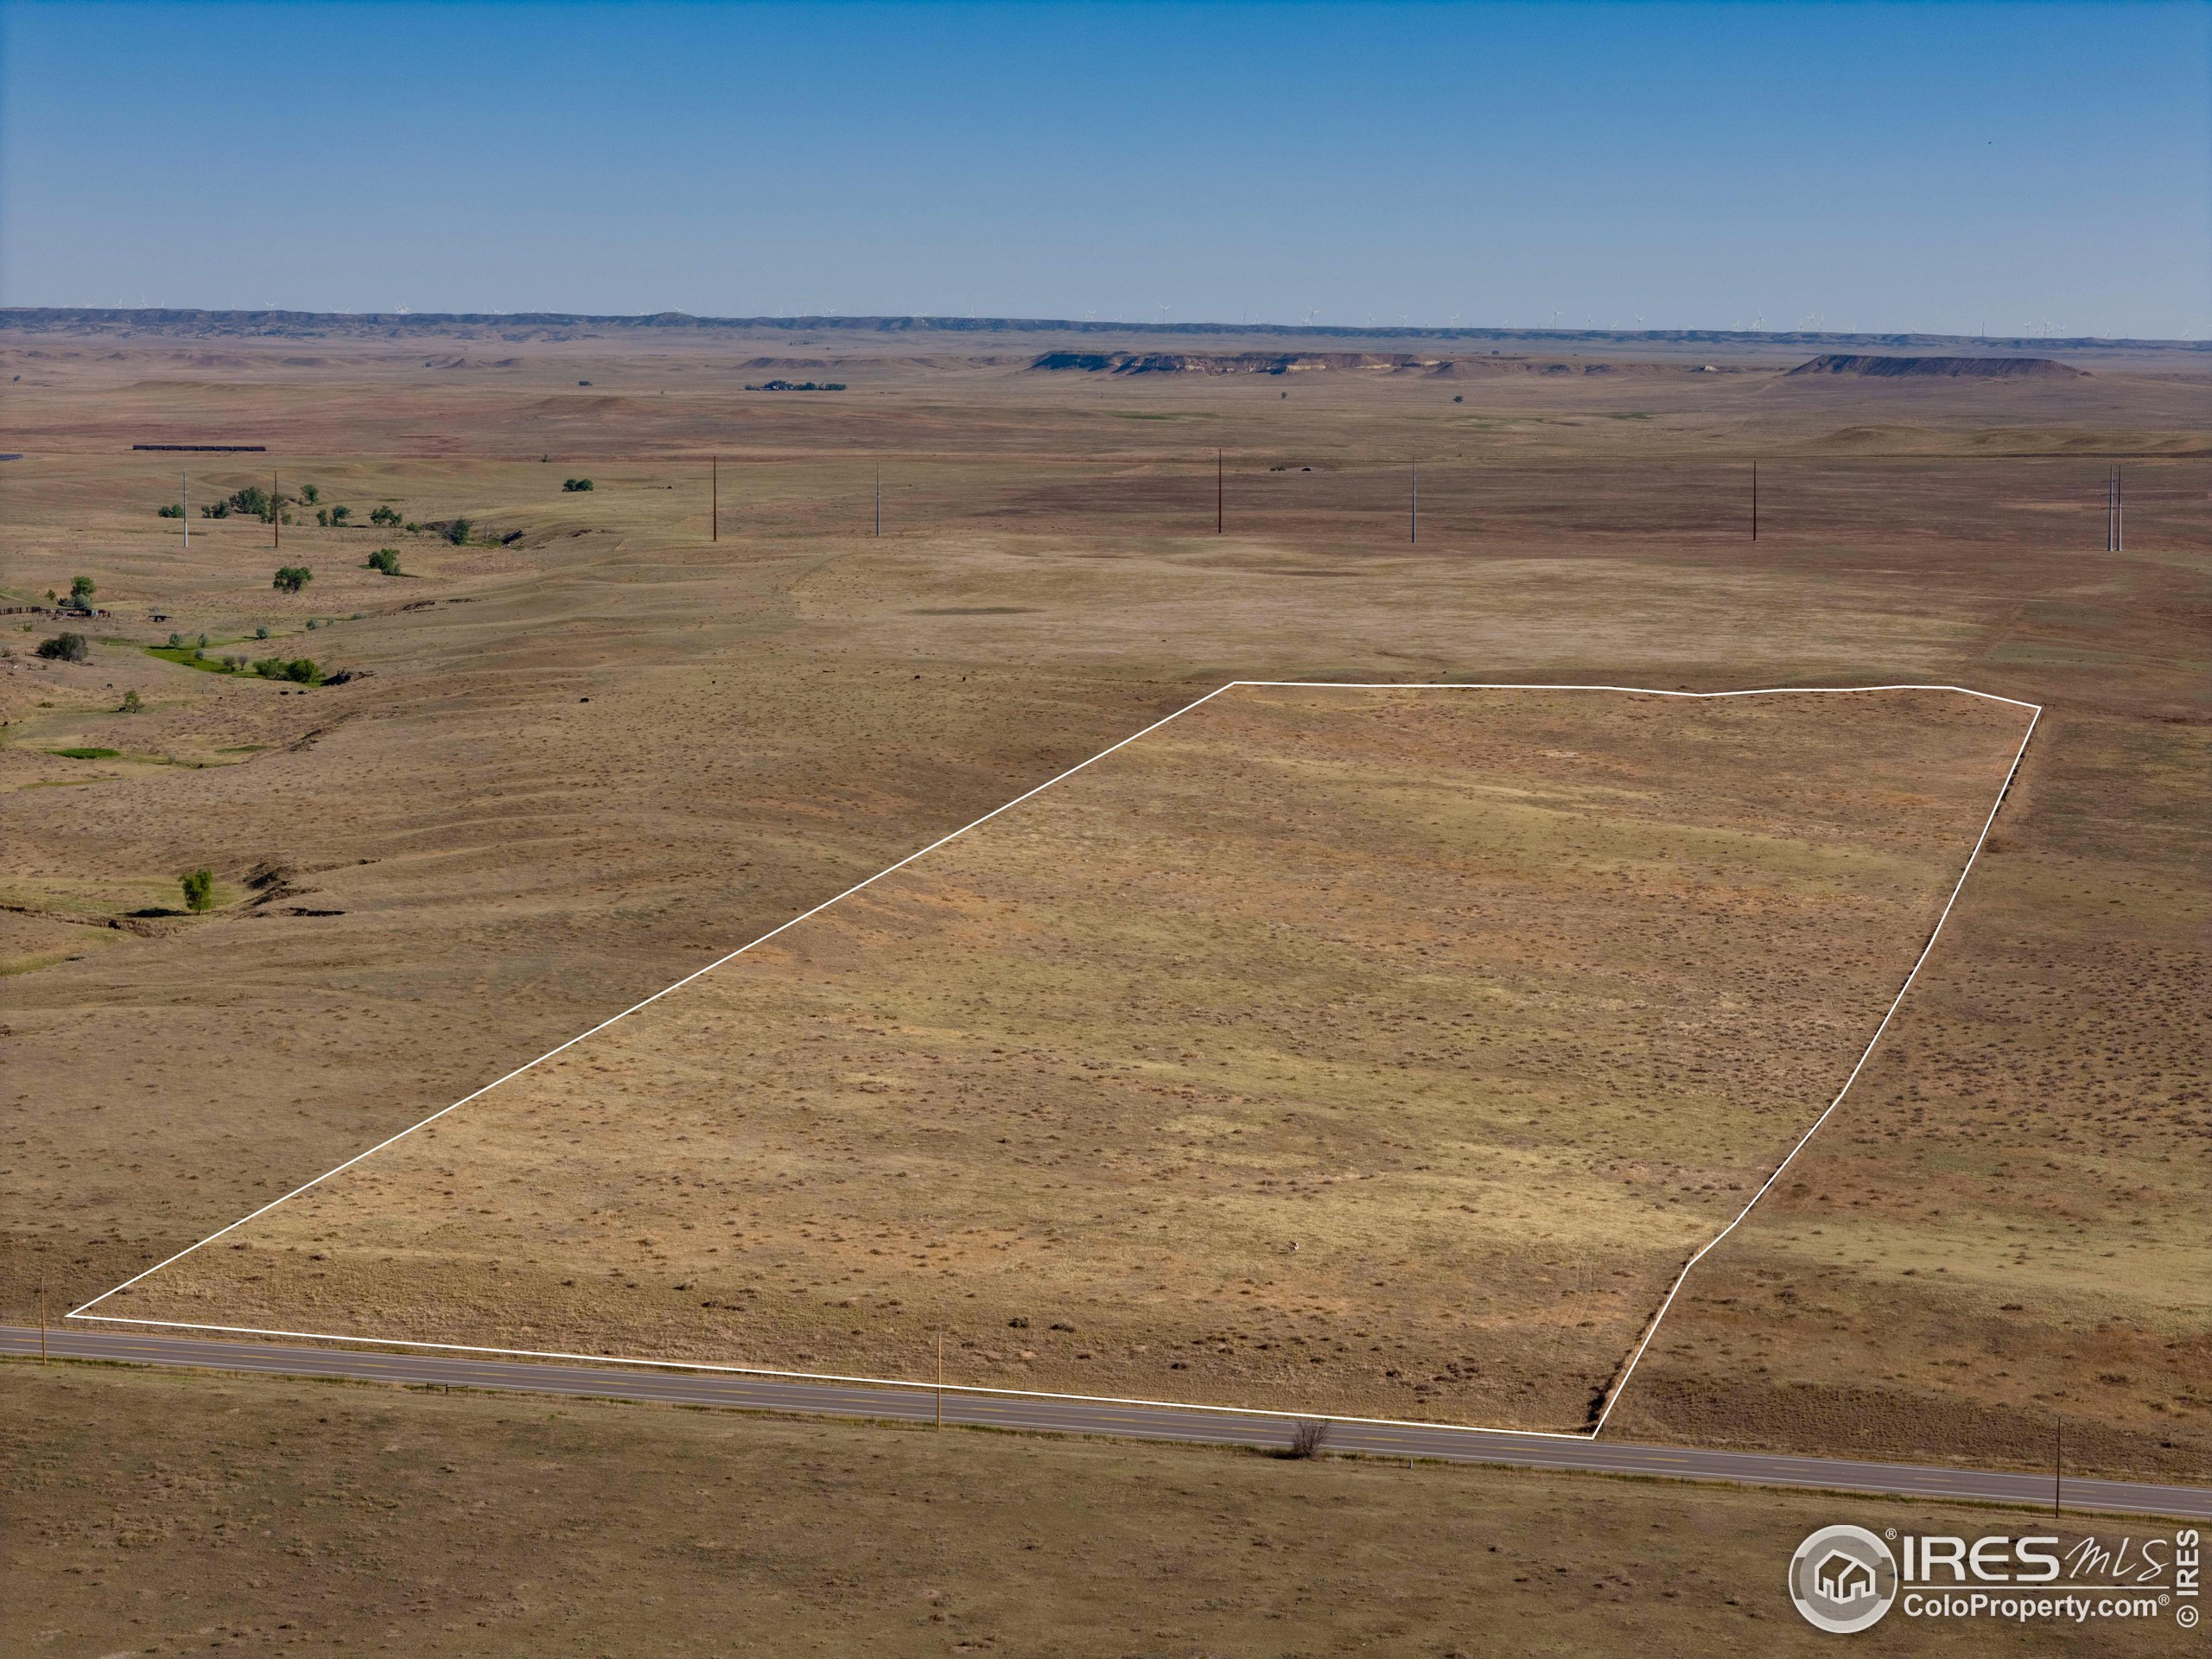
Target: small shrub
{"points": [[199, 891], [413, 529], [383, 515], [202, 641], [311, 494], [339, 515], [175, 639], [216, 509], [234, 664], [291, 578], [313, 622], [322, 517], [262, 632], [174, 509], [457, 533], [385, 559], [66, 648], [301, 670], [253, 499], [1307, 1439], [131, 704], [574, 485]]}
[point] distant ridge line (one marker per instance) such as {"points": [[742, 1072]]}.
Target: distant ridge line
{"points": [[280, 324], [1954, 368]]}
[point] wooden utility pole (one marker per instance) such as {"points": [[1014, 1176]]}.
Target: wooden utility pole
{"points": [[184, 505], [1755, 500], [1216, 492], [42, 1318], [276, 517], [714, 499], [940, 1378], [1413, 504], [2058, 1465], [879, 499]]}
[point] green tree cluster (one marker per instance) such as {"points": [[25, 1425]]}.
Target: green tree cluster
{"points": [[66, 648], [302, 670], [291, 578]]}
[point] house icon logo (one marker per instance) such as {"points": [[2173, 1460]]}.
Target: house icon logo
{"points": [[1843, 1578]]}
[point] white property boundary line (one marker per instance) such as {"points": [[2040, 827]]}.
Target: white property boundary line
{"points": [[1614, 1394]]}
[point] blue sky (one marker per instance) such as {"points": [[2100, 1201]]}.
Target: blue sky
{"points": [[1943, 168]]}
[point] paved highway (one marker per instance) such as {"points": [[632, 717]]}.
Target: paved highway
{"points": [[1084, 1417]]}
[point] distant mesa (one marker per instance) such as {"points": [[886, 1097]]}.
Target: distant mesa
{"points": [[1945, 368], [1383, 362], [1225, 362]]}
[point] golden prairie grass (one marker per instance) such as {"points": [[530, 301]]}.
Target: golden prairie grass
{"points": [[148, 1512], [775, 716], [1372, 1052]]}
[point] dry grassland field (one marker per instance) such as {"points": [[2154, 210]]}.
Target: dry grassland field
{"points": [[1367, 1051], [169, 1514], [592, 745]]}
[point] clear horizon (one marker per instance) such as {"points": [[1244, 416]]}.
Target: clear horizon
{"points": [[2020, 170]]}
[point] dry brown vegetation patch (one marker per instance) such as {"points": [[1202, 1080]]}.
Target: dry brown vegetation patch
{"points": [[1367, 1050], [775, 715]]}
